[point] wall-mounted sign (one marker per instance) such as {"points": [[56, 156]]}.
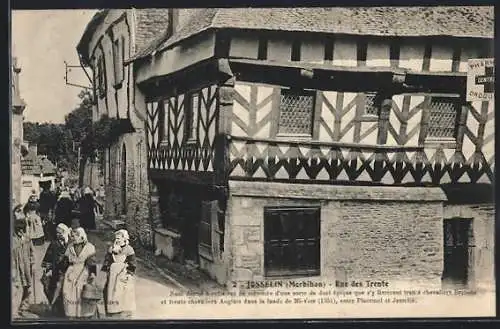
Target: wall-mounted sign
{"points": [[480, 79]]}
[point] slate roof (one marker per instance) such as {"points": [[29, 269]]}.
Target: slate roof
{"points": [[456, 21], [33, 164], [151, 23]]}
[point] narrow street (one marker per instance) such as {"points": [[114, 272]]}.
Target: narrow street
{"points": [[151, 286]]}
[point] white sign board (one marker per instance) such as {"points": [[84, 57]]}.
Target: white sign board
{"points": [[480, 79]]}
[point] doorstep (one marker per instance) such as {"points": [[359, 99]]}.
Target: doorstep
{"points": [[188, 276]]}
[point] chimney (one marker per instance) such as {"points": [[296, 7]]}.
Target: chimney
{"points": [[33, 148], [173, 20]]}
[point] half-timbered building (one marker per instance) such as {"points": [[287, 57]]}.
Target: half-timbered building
{"points": [[322, 142], [112, 37]]}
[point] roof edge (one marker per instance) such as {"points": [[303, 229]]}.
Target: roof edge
{"points": [[139, 56], [82, 45]]}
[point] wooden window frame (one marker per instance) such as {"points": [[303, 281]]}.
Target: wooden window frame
{"points": [[447, 142], [297, 91], [365, 116], [210, 224], [192, 116], [118, 59], [313, 242], [101, 80]]}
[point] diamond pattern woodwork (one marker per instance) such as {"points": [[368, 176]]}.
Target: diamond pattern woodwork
{"points": [[306, 161]]}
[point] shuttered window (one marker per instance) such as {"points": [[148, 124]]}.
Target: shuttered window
{"points": [[292, 241], [296, 112], [118, 54], [443, 116]]}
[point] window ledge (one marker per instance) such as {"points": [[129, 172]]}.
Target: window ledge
{"points": [[167, 232], [298, 137], [369, 118], [448, 143]]}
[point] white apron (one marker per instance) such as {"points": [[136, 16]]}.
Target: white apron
{"points": [[121, 287], [75, 278]]}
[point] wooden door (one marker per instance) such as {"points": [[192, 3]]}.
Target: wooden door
{"points": [[458, 247]]}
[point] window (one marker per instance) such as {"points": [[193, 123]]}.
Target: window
{"points": [[371, 107], [170, 209], [296, 112], [206, 224], [118, 53], [292, 241], [101, 81], [192, 108], [443, 118], [210, 234]]}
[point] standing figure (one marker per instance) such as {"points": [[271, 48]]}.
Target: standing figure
{"points": [[87, 208], [34, 227], [119, 289], [80, 269], [53, 271], [46, 206], [33, 197], [22, 264], [34, 230], [64, 209]]}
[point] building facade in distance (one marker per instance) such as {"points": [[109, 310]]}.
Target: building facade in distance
{"points": [[18, 107]]}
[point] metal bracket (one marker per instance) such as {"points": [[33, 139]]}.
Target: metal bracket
{"points": [[66, 67]]}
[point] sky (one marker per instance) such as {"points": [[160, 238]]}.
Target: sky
{"points": [[42, 40]]}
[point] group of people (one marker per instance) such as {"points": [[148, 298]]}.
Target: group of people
{"points": [[73, 285]]}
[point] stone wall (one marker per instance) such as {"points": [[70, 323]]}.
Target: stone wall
{"points": [[482, 271], [137, 215], [387, 233]]}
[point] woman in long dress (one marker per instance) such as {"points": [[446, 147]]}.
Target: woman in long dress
{"points": [[87, 208], [80, 269], [119, 289], [53, 272], [64, 209]]}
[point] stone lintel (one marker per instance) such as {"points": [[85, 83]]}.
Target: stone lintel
{"points": [[334, 192]]}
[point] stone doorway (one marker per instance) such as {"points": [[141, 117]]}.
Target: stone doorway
{"points": [[458, 251]]}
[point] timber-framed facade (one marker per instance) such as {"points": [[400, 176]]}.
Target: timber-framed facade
{"points": [[313, 153]]}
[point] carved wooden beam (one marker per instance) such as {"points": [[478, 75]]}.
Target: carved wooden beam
{"points": [[389, 80]]}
